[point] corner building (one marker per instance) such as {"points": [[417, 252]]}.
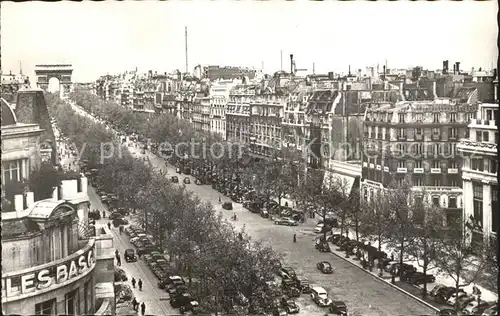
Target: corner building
{"points": [[417, 139], [479, 173]]}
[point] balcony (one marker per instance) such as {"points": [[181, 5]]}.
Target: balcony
{"points": [[452, 170], [401, 170], [436, 137], [365, 164], [386, 169], [490, 123], [418, 170], [435, 170]]}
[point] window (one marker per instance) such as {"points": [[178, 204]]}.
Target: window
{"points": [[479, 136], [419, 182], [436, 117], [486, 136], [493, 166], [453, 164], [477, 188], [401, 118], [452, 132], [453, 117], [496, 137], [452, 202], [401, 133], [12, 171], [402, 164], [419, 117], [435, 131], [418, 131], [477, 164], [437, 182], [418, 164], [494, 208], [489, 115], [436, 164], [435, 200], [46, 308], [453, 183]]}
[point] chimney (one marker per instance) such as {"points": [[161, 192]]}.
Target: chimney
{"points": [[55, 194], [30, 199], [434, 86], [458, 67], [454, 69], [18, 204], [291, 63]]}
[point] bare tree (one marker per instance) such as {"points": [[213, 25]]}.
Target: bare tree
{"points": [[427, 234], [457, 258], [374, 219]]}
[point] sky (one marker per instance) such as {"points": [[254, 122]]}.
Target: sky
{"points": [[110, 37]]}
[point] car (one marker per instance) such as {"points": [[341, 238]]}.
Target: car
{"points": [[115, 215], [476, 308], [279, 312], [491, 311], [286, 221], [338, 308], [325, 267], [291, 291], [130, 255], [454, 297], [178, 170], [464, 301], [443, 293], [186, 180], [119, 221], [323, 247], [418, 278], [303, 285], [320, 297], [289, 305], [319, 228], [192, 306], [177, 290], [181, 300], [174, 179], [446, 312], [287, 273], [227, 206]]}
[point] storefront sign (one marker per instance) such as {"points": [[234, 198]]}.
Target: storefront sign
{"points": [[51, 276]]}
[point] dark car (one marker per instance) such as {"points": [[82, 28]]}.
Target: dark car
{"points": [[447, 312], [193, 307], [181, 300], [289, 305], [115, 215], [338, 308], [303, 285], [286, 221], [334, 238], [419, 278], [325, 267], [396, 267], [177, 290], [291, 291], [119, 221], [130, 255], [227, 206], [287, 273], [323, 247], [174, 179]]}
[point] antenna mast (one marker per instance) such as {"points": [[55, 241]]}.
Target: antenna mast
{"points": [[20, 68], [314, 69], [281, 60], [186, 40]]}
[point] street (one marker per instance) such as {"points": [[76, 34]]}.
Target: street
{"points": [[363, 294]]}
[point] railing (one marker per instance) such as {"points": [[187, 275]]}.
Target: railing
{"points": [[452, 170], [437, 188], [418, 170], [435, 170], [402, 170]]}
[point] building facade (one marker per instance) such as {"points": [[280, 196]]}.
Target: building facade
{"points": [[416, 140], [238, 128], [479, 173], [219, 96]]}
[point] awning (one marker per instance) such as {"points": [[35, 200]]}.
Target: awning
{"points": [[343, 182]]}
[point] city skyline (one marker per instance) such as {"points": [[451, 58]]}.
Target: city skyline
{"points": [[110, 37]]}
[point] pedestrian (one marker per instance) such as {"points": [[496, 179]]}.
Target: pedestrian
{"points": [[140, 284], [143, 308], [119, 261], [134, 303], [133, 283], [220, 201], [294, 237], [103, 214], [139, 253], [109, 225], [121, 229]]}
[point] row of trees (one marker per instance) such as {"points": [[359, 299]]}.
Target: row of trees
{"points": [[400, 218], [219, 262]]}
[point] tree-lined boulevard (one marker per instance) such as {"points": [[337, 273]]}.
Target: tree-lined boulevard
{"points": [[203, 243]]}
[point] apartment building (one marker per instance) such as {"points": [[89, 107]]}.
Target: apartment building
{"points": [[417, 139], [219, 97], [479, 173], [238, 113]]}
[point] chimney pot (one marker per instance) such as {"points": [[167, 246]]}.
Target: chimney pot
{"points": [[18, 204], [30, 199]]}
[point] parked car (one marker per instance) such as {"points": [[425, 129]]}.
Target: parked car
{"points": [[119, 221], [115, 215], [303, 285], [325, 267], [320, 297], [192, 306], [323, 247], [177, 290], [174, 179], [227, 206], [286, 221], [289, 305], [419, 278], [476, 308], [319, 228], [454, 297], [491, 311], [181, 300], [338, 308], [446, 312], [186, 180], [130, 255], [287, 273]]}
